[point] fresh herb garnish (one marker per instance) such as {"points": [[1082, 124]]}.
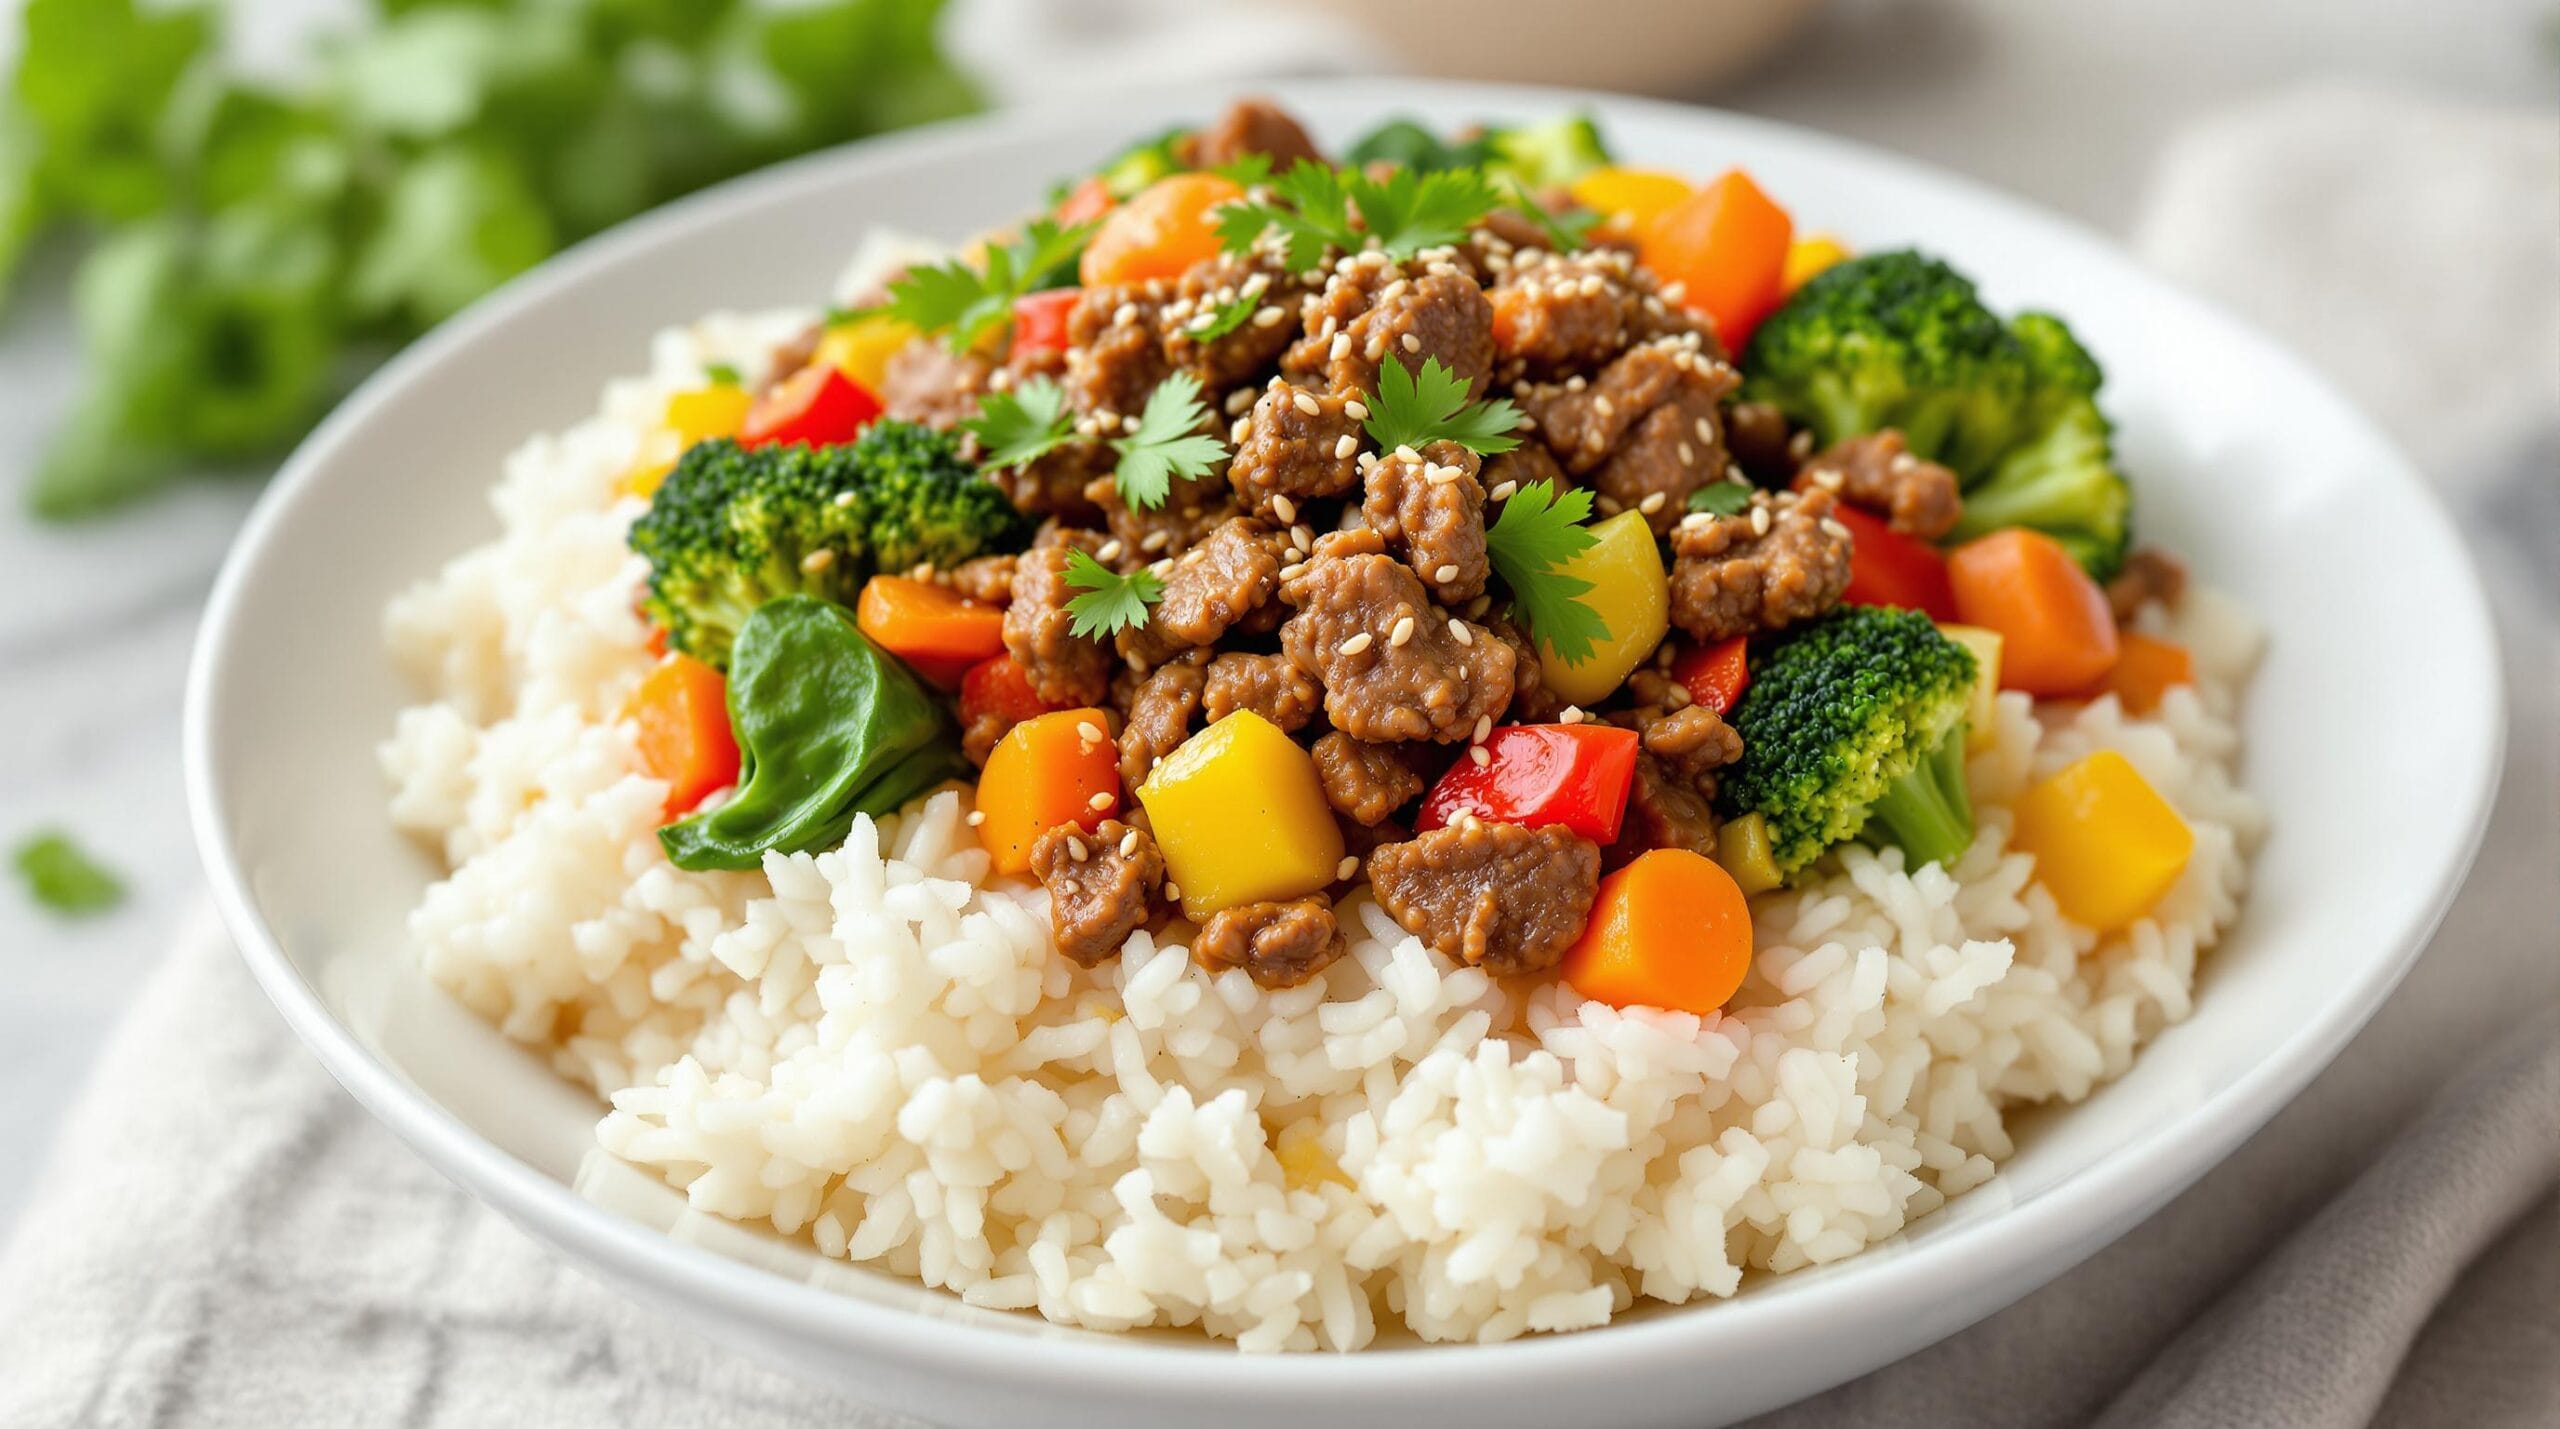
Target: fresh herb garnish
{"points": [[1530, 543], [1404, 213], [1168, 443], [722, 374], [967, 301], [1565, 231], [1022, 424], [1111, 601], [64, 878], [1225, 318], [1245, 170], [1722, 498], [1410, 410]]}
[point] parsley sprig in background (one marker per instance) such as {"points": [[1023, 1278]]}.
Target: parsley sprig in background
{"points": [[256, 244]]}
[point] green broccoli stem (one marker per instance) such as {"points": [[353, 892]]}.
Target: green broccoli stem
{"points": [[1928, 812]]}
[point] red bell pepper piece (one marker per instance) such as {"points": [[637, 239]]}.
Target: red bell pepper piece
{"points": [[998, 686], [1576, 775], [1715, 675], [1086, 201], [1889, 568], [1040, 320], [816, 406]]}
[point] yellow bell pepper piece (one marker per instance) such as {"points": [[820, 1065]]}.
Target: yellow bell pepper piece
{"points": [[1809, 256], [698, 414], [1629, 197], [658, 453], [2107, 846], [1985, 645], [861, 348], [1241, 817], [1632, 596], [1742, 847]]}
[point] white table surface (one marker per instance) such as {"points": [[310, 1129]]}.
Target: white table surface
{"points": [[2064, 102]]}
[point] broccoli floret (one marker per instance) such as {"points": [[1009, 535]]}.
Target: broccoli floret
{"points": [[1854, 724], [733, 527], [1408, 144], [1142, 163], [1549, 155], [1902, 340]]}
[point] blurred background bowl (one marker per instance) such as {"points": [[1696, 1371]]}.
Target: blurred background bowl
{"points": [[1664, 47]]}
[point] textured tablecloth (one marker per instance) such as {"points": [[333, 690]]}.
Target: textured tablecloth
{"points": [[225, 1238]]}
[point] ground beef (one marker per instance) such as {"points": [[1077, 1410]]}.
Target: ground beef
{"points": [[2149, 574], [1065, 669], [1524, 465], [1159, 714], [1206, 590], [1371, 308], [1392, 664], [1247, 351], [1250, 126], [1531, 701], [1784, 559], [1917, 498], [1268, 685], [1691, 741], [927, 382], [1298, 444], [987, 578], [1365, 782], [1277, 944], [1056, 482], [1758, 438], [1115, 357], [1503, 897], [1429, 507], [1193, 508], [1664, 810], [1647, 433], [1554, 312], [1102, 886], [1360, 840]]}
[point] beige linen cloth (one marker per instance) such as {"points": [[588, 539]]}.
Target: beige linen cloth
{"points": [[224, 1238]]}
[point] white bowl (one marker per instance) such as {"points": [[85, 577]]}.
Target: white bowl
{"points": [[2275, 489]]}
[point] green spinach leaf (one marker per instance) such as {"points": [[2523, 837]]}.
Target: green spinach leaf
{"points": [[828, 725]]}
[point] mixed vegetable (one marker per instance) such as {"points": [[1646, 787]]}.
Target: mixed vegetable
{"points": [[1566, 550]]}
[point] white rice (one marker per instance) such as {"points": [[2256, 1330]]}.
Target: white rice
{"points": [[876, 1048]]}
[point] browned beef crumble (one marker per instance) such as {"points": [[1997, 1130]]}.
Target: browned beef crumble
{"points": [[1298, 444], [1371, 309], [1268, 685], [2149, 574], [1056, 482], [1690, 740], [1159, 715], [1524, 465], [1250, 126], [1102, 885], [1065, 669], [1644, 435], [1393, 664], [1558, 312], [1365, 782], [1277, 944], [1503, 897], [1429, 508], [1206, 590], [1192, 509], [1247, 351], [987, 578], [1784, 559], [1115, 356], [1664, 810], [1876, 471], [927, 382], [1531, 701]]}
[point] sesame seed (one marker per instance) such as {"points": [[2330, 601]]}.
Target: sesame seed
{"points": [[1528, 423], [1478, 606], [1292, 572], [1504, 491], [1356, 643], [1076, 849], [1340, 349], [1688, 455], [1154, 541], [1706, 431], [1759, 520], [1826, 478], [1674, 292], [1440, 475], [1302, 537], [1608, 505], [1799, 446], [844, 498], [1239, 400], [1572, 715], [1125, 313], [1478, 755], [1173, 890], [1459, 632], [1697, 521], [1407, 453], [1403, 632], [1484, 726], [1306, 402], [1100, 802], [1345, 446], [818, 560], [1446, 574], [1356, 411], [1088, 733], [1201, 323], [1129, 844], [1349, 866], [1651, 504], [1110, 550], [1837, 530], [977, 817], [1409, 343], [1284, 508], [1269, 317]]}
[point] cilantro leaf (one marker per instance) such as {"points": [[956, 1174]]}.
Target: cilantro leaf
{"points": [[1023, 424], [1537, 534], [64, 878], [1111, 601], [1214, 323], [1408, 212], [1410, 410], [1168, 443], [1722, 498], [968, 301], [1402, 214], [1315, 215], [1565, 231], [722, 374], [1246, 169]]}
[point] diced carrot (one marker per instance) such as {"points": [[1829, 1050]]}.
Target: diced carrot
{"points": [[1726, 245], [932, 627], [1670, 930], [2146, 669], [999, 687], [1165, 229], [1053, 769], [1086, 201], [679, 716], [2056, 634]]}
